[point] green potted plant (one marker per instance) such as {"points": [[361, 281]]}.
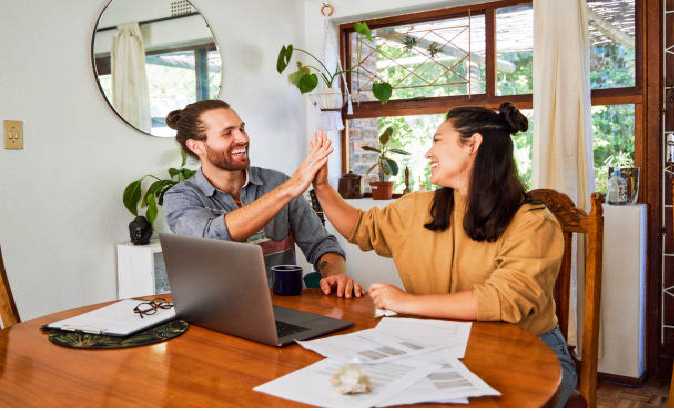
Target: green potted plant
{"points": [[140, 229], [383, 189], [306, 77]]}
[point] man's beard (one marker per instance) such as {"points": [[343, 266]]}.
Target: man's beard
{"points": [[225, 161]]}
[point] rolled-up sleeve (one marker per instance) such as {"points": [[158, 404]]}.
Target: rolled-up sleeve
{"points": [[186, 215], [310, 235], [527, 267], [383, 229]]}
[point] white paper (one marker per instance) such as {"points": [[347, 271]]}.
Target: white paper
{"points": [[381, 312], [367, 346], [451, 383], [451, 334], [114, 319], [393, 339], [311, 385]]}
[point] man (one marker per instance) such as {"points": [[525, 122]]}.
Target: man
{"points": [[230, 200]]}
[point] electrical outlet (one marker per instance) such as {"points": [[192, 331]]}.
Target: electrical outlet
{"points": [[13, 134]]}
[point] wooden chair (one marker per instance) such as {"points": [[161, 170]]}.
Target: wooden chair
{"points": [[574, 220], [670, 400], [8, 312]]}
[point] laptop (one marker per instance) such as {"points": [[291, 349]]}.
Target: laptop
{"points": [[222, 285]]}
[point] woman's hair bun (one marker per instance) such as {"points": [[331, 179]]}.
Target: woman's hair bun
{"points": [[173, 118], [513, 117]]}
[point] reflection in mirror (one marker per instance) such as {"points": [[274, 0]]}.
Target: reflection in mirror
{"points": [[154, 56]]}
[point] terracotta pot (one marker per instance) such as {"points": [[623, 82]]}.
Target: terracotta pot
{"points": [[382, 190]]}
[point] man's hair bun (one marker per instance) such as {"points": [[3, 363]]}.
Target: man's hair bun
{"points": [[173, 118], [515, 120]]}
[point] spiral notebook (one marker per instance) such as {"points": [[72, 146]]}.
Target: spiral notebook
{"points": [[116, 319]]}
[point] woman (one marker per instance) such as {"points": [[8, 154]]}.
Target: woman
{"points": [[477, 248]]}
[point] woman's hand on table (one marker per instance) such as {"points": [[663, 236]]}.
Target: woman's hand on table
{"points": [[390, 297]]}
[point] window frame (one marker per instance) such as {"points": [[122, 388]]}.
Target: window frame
{"points": [[438, 105]]}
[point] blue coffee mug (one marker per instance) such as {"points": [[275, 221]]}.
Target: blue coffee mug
{"points": [[287, 279]]}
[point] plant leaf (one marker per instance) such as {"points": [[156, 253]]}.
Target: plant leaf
{"points": [[131, 196], [382, 91], [400, 151], [385, 136], [296, 76], [150, 191], [152, 210], [284, 57], [174, 172], [386, 166], [368, 148], [308, 82], [392, 166], [156, 188], [160, 193], [187, 173], [362, 29]]}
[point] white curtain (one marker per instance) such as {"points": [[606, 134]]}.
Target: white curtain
{"points": [[130, 91], [563, 158]]}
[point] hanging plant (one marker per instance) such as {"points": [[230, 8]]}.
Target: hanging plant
{"points": [[306, 76]]}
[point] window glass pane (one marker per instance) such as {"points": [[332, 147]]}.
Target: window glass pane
{"points": [[612, 30], [612, 140], [172, 81], [214, 73], [431, 59], [514, 50], [412, 133], [415, 135], [524, 153]]}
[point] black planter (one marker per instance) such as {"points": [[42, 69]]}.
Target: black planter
{"points": [[140, 231]]}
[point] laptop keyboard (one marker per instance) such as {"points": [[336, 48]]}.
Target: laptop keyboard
{"points": [[283, 329]]}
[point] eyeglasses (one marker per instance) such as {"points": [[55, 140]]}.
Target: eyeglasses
{"points": [[151, 307]]}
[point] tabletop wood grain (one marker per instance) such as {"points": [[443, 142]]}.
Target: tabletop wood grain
{"points": [[207, 368]]}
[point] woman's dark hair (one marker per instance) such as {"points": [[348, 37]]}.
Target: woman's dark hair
{"points": [[495, 192], [187, 122]]}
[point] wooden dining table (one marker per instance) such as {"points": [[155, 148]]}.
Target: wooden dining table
{"points": [[207, 368]]}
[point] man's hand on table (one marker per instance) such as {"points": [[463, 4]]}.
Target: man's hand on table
{"points": [[341, 285]]}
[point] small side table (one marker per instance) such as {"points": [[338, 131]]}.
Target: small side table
{"points": [[141, 270]]}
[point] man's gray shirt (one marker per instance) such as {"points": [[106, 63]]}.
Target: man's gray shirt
{"points": [[196, 208]]}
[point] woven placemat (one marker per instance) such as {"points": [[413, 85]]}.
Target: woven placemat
{"points": [[76, 339]]}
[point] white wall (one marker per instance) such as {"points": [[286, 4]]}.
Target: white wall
{"points": [[60, 197]]}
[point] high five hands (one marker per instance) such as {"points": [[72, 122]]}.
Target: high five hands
{"points": [[314, 164]]}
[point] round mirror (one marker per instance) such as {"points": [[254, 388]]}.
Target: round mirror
{"points": [[154, 56]]}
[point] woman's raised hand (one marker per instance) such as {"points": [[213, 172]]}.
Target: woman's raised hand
{"points": [[320, 148], [319, 139]]}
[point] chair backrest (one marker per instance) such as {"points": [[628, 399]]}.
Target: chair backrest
{"points": [[8, 312], [574, 220], [670, 400]]}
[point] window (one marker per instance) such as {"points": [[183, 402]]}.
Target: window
{"points": [[429, 59], [515, 50], [483, 55]]}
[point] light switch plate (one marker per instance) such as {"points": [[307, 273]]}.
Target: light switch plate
{"points": [[13, 134]]}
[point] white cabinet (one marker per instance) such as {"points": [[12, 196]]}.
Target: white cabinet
{"points": [[140, 270], [622, 335]]}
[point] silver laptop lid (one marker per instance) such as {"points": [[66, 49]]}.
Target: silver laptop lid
{"points": [[221, 285]]}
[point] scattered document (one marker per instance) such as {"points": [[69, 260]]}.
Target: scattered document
{"points": [[408, 361], [367, 346], [311, 385], [393, 339], [116, 319], [381, 312], [452, 383], [451, 334]]}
